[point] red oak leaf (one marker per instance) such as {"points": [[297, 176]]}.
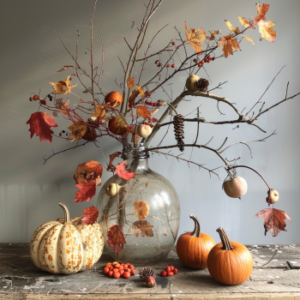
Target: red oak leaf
{"points": [[274, 220], [90, 215], [122, 172], [115, 237], [86, 192], [261, 12], [40, 124], [142, 111]]}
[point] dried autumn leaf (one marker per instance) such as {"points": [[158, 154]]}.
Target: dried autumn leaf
{"points": [[115, 237], [266, 30], [249, 39], [154, 120], [86, 193], [63, 86], [122, 172], [195, 37], [132, 98], [99, 111], [140, 89], [235, 30], [40, 124], [142, 228], [212, 35], [130, 82], [142, 111], [274, 220], [141, 209], [111, 159], [229, 43], [88, 172], [118, 125], [64, 107], [261, 12], [65, 68], [90, 215], [245, 22], [78, 130]]}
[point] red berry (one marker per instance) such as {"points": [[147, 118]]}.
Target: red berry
{"points": [[116, 275], [157, 61], [212, 58], [126, 275], [170, 273], [163, 273], [175, 271], [106, 270], [168, 65], [35, 97], [30, 99], [173, 66], [168, 269], [159, 64], [110, 273], [133, 272], [173, 43], [148, 94], [200, 65], [195, 60], [172, 268]]}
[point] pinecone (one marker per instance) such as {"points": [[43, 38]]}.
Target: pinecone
{"points": [[179, 131], [146, 272], [202, 84]]}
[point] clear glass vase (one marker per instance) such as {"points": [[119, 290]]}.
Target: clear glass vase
{"points": [[146, 208]]}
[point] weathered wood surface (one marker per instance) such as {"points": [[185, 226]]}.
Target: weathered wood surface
{"points": [[19, 279]]}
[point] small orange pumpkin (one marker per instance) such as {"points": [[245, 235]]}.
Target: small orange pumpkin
{"points": [[193, 247], [114, 99], [229, 262]]}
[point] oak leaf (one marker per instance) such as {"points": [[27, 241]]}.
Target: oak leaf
{"points": [[245, 22], [122, 172], [78, 130], [111, 159], [130, 82], [141, 209], [115, 237], [86, 193], [63, 86], [142, 111], [274, 220], [195, 37], [261, 12], [142, 228], [231, 28], [140, 89], [90, 215], [40, 124], [266, 30], [229, 43]]}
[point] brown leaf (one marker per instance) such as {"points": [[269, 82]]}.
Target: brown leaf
{"points": [[142, 228], [131, 100], [130, 82], [65, 68], [141, 209], [195, 37], [274, 220], [229, 43], [142, 111], [115, 237], [111, 159]]}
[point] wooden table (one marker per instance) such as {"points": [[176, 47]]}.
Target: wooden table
{"points": [[19, 279]]}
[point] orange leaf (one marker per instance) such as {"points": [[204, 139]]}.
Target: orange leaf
{"points": [[115, 237], [87, 191], [274, 220], [90, 215], [266, 30], [130, 82], [141, 209], [63, 86], [195, 37], [40, 124], [122, 172], [134, 94], [142, 111], [233, 29], [140, 89], [261, 12], [111, 159], [229, 43]]}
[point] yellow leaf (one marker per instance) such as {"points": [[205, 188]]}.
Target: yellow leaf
{"points": [[249, 39], [229, 43], [63, 86], [78, 130], [195, 37], [266, 30], [140, 89], [130, 82], [245, 22], [233, 29], [99, 111], [213, 33]]}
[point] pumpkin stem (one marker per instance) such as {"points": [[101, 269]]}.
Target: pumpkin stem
{"points": [[224, 238], [66, 211], [196, 231]]}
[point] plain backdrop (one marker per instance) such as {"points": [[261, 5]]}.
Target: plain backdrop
{"points": [[32, 53]]}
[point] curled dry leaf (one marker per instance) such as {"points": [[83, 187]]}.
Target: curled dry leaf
{"points": [[235, 30], [65, 68], [141, 209], [115, 237], [249, 39], [229, 43], [261, 12], [266, 30], [142, 111], [212, 35], [40, 124], [274, 220], [142, 228], [195, 37], [140, 89], [78, 130], [111, 159], [130, 82], [90, 215], [64, 107], [63, 86], [131, 100], [122, 172]]}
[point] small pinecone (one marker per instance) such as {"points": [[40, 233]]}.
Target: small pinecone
{"points": [[179, 131], [202, 84], [146, 272]]}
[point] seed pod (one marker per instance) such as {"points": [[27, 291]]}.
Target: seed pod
{"points": [[191, 83]]}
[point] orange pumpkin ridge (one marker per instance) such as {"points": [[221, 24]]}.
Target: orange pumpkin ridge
{"points": [[228, 262], [193, 247]]}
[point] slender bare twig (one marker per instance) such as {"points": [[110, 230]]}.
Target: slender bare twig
{"points": [[92, 46]]}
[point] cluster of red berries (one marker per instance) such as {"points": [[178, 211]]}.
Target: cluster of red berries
{"points": [[117, 270], [159, 64], [42, 101], [207, 59], [169, 271]]}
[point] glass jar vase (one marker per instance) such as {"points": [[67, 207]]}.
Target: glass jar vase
{"points": [[146, 207]]}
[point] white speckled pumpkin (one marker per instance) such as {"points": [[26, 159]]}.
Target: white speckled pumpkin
{"points": [[66, 246]]}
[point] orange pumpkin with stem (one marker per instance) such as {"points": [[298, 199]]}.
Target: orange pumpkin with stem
{"points": [[114, 99], [193, 247], [229, 262]]}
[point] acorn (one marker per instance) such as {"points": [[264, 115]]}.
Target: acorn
{"points": [[273, 196], [112, 189], [191, 83], [144, 130]]}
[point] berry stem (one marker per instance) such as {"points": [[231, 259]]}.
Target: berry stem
{"points": [[242, 166]]}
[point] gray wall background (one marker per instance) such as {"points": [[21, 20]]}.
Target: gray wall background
{"points": [[31, 53]]}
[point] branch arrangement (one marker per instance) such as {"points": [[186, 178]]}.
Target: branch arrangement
{"points": [[129, 112]]}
